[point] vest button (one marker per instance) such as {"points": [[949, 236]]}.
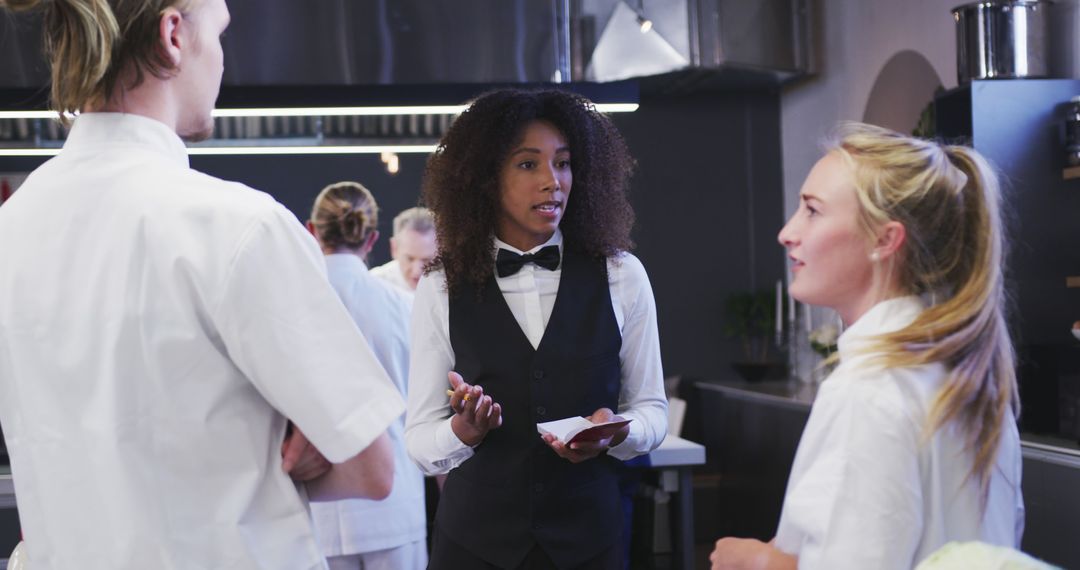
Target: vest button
{"points": [[538, 374], [540, 410]]}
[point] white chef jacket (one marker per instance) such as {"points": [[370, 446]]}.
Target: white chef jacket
{"points": [[357, 526], [530, 294], [865, 491], [157, 325], [390, 272]]}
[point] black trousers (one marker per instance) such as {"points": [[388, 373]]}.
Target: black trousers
{"points": [[449, 555]]}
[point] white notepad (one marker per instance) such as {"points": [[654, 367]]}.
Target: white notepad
{"points": [[578, 429]]}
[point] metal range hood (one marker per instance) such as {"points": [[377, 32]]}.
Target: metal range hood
{"points": [[703, 42], [349, 42], [416, 42]]}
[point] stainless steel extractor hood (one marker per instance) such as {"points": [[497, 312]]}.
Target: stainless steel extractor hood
{"points": [[637, 38], [406, 42]]}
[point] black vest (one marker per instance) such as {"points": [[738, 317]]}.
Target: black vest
{"points": [[515, 492]]}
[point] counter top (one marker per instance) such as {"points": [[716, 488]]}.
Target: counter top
{"points": [[675, 451], [794, 394], [7, 488], [787, 393]]}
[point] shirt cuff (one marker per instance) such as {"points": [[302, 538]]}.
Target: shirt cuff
{"points": [[628, 449], [452, 449], [353, 435]]}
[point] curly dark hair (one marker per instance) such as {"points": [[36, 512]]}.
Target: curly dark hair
{"points": [[461, 181]]}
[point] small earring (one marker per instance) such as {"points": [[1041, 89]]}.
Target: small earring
{"points": [[875, 257]]}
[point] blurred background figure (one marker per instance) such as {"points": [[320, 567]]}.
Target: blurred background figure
{"points": [[412, 247], [356, 533]]}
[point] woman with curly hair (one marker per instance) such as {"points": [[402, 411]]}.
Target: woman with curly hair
{"points": [[534, 311]]}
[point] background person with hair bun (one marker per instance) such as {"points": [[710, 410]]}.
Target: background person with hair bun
{"points": [[912, 441], [358, 534], [534, 311], [157, 340]]}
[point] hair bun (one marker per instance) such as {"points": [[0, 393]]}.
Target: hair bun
{"points": [[352, 227], [344, 215]]}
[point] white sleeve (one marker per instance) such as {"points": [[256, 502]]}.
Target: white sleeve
{"points": [[286, 330], [1020, 510], [875, 517], [428, 436], [641, 397]]}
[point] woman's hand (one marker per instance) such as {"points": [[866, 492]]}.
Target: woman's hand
{"points": [[300, 459], [749, 554], [581, 451], [474, 413]]}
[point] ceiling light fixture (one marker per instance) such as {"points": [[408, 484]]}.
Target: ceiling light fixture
{"points": [[343, 149], [260, 150], [644, 23], [29, 151], [29, 114], [341, 111], [331, 111], [390, 159]]}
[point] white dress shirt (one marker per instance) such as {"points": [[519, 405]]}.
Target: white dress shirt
{"points": [[157, 326], [530, 294], [865, 490], [356, 526], [390, 272]]}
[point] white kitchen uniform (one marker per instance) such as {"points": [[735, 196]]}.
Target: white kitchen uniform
{"points": [[530, 294], [157, 326], [356, 526], [390, 272], [865, 491]]}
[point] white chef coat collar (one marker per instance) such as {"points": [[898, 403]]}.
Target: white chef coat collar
{"points": [[556, 239], [346, 261], [885, 317], [96, 130]]}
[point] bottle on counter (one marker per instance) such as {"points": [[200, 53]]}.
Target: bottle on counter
{"points": [[1072, 133]]}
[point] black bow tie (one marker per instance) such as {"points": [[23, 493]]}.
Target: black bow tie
{"points": [[508, 263]]}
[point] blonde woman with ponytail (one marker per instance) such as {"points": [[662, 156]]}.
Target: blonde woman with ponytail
{"points": [[912, 441], [156, 345], [361, 534]]}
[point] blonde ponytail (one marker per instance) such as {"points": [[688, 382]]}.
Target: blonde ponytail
{"points": [[344, 215], [948, 199], [92, 44], [80, 42], [19, 5]]}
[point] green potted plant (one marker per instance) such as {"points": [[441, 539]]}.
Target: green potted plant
{"points": [[750, 316]]}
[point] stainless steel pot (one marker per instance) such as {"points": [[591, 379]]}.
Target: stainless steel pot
{"points": [[1001, 39]]}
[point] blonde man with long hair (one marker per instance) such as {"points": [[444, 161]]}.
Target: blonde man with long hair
{"points": [[912, 441], [157, 341]]}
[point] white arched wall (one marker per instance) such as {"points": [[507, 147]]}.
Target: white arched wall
{"points": [[855, 40], [902, 91]]}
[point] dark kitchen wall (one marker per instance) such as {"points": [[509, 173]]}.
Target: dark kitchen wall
{"points": [[296, 180], [1019, 125], [709, 201], [707, 192]]}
